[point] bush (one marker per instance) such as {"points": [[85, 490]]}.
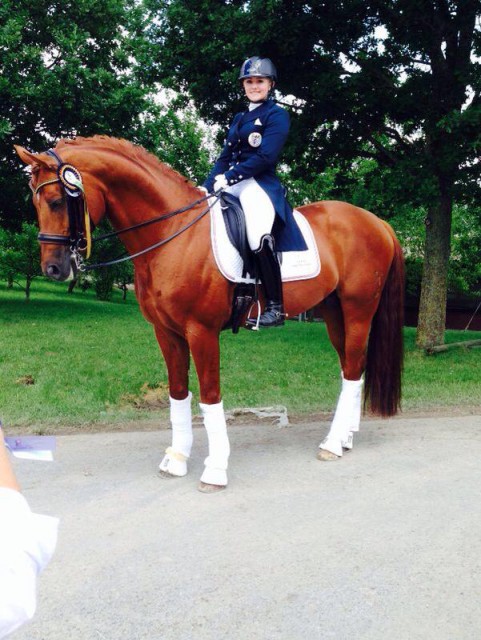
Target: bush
{"points": [[20, 256]]}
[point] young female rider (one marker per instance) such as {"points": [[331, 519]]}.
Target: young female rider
{"points": [[246, 168]]}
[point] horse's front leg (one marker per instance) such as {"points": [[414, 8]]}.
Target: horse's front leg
{"points": [[175, 350], [204, 345]]}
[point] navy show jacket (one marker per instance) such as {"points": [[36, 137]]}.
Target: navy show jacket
{"points": [[252, 148]]}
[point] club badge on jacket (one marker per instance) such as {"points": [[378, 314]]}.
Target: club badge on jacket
{"points": [[255, 139]]}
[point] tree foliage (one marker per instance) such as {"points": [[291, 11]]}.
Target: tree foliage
{"points": [[19, 256], [385, 95], [105, 278], [66, 68], [394, 80], [389, 79], [172, 132]]}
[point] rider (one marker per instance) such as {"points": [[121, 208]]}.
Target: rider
{"points": [[246, 168]]}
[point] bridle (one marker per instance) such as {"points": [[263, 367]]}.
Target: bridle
{"points": [[80, 232], [80, 226]]}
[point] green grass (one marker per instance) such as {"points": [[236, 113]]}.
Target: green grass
{"points": [[90, 359]]}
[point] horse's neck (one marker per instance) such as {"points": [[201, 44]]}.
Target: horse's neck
{"points": [[136, 195]]}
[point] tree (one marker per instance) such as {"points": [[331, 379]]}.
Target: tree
{"points": [[19, 256], [172, 132], [394, 80], [66, 69], [124, 276], [121, 274]]}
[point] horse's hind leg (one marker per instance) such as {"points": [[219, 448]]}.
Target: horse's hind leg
{"points": [[176, 354], [348, 328]]}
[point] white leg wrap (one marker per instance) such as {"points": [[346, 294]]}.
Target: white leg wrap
{"points": [[219, 450], [175, 460], [346, 419]]}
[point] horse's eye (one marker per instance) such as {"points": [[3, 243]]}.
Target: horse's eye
{"points": [[57, 204]]}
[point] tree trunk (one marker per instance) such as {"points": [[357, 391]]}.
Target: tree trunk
{"points": [[432, 305], [28, 282]]}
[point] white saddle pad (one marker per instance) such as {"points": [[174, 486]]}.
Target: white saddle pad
{"points": [[295, 265]]}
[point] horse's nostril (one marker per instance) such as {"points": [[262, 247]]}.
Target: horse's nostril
{"points": [[52, 270]]}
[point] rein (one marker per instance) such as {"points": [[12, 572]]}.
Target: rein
{"points": [[89, 267], [79, 238]]}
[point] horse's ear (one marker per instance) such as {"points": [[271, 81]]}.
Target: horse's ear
{"points": [[33, 158]]}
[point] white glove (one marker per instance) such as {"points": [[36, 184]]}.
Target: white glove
{"points": [[204, 190], [220, 182]]}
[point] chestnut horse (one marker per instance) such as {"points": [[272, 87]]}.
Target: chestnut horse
{"points": [[182, 293]]}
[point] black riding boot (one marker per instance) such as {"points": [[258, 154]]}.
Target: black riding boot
{"points": [[270, 276]]}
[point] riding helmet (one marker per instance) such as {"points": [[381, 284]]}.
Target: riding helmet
{"points": [[257, 67]]}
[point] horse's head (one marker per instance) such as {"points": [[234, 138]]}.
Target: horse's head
{"points": [[64, 229]]}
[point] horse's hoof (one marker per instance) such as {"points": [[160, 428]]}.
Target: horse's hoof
{"points": [[173, 465], [210, 488], [166, 474], [326, 456], [348, 443]]}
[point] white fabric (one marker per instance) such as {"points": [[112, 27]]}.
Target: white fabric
{"points": [[27, 542], [295, 265], [219, 449], [181, 420], [346, 419], [258, 210], [254, 105], [182, 437]]}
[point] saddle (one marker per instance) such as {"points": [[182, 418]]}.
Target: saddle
{"points": [[235, 224], [236, 261]]}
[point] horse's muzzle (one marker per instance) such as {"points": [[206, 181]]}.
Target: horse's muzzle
{"points": [[57, 267], [53, 271]]}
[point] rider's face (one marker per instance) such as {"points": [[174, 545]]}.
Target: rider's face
{"points": [[257, 89]]}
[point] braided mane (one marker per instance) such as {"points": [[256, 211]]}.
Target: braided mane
{"points": [[129, 151]]}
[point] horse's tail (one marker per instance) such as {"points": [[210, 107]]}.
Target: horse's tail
{"points": [[384, 362]]}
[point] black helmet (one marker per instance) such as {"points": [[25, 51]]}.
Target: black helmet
{"points": [[256, 67]]}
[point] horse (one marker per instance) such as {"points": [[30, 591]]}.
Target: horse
{"points": [[181, 292]]}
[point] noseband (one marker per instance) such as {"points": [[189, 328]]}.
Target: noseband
{"points": [[79, 238]]}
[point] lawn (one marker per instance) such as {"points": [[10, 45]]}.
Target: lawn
{"points": [[72, 360]]}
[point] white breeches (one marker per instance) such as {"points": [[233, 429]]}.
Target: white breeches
{"points": [[258, 209], [346, 419]]}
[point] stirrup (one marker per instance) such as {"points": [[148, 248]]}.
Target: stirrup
{"points": [[273, 316]]}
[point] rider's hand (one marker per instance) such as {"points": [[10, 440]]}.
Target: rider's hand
{"points": [[204, 190], [220, 182]]}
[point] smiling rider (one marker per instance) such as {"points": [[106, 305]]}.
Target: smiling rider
{"points": [[246, 168]]}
